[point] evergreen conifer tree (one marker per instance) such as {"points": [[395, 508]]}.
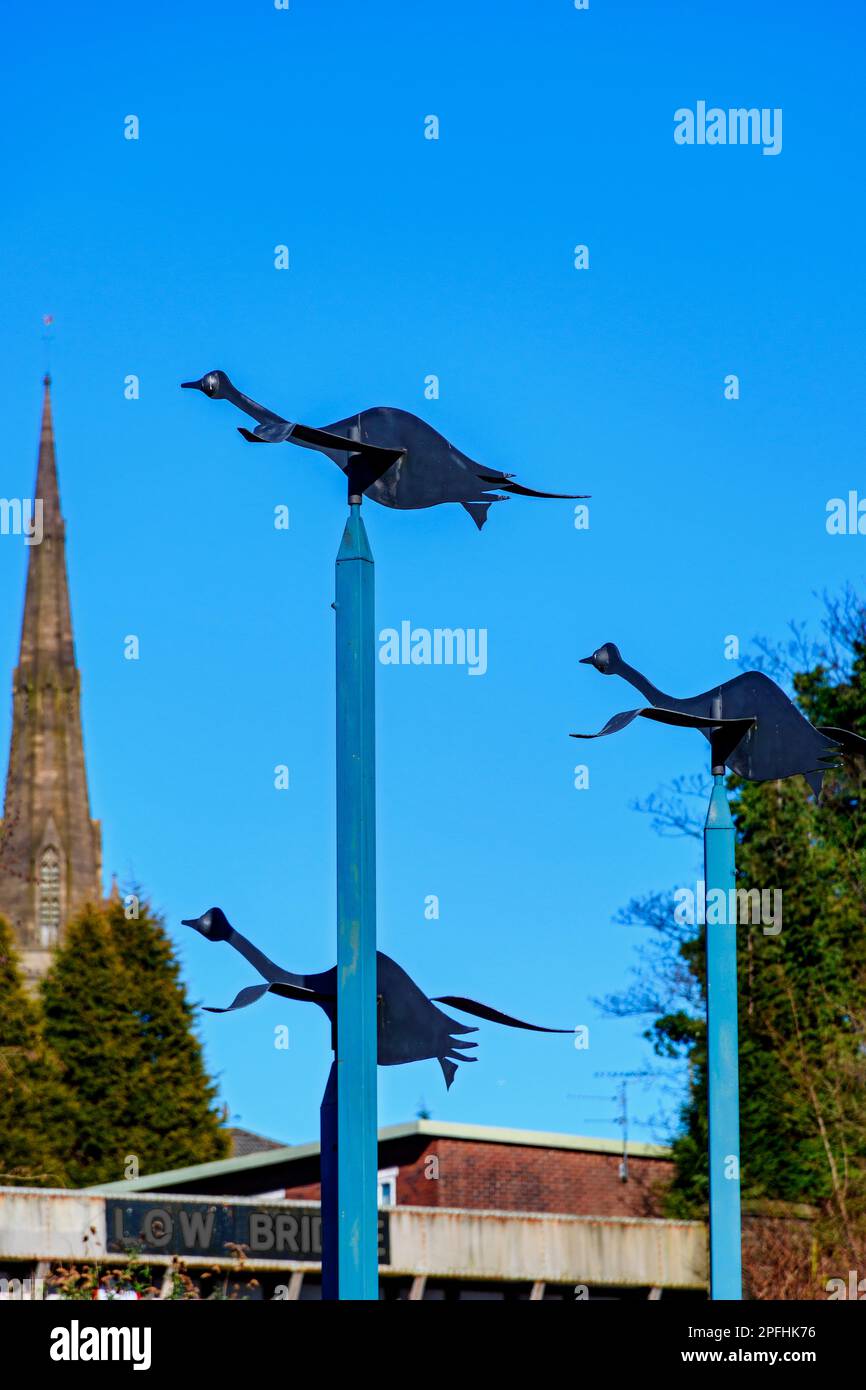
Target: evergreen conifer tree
{"points": [[116, 1014], [36, 1109], [92, 1032], [174, 1096]]}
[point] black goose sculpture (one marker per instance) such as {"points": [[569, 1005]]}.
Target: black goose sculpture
{"points": [[410, 1027], [387, 454], [754, 728]]}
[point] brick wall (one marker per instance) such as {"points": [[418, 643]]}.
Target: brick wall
{"points": [[438, 1172]]}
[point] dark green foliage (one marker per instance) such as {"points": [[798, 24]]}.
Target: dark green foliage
{"points": [[36, 1110], [92, 1031], [117, 1017], [174, 1104]]}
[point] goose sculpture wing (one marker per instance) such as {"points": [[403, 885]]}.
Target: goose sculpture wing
{"points": [[726, 734]]}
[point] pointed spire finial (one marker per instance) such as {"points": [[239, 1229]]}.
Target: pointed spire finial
{"points": [[47, 338]]}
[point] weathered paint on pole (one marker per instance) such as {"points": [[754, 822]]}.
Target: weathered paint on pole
{"points": [[722, 1045], [356, 1044]]}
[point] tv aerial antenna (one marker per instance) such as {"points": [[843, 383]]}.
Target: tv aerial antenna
{"points": [[620, 1096]]}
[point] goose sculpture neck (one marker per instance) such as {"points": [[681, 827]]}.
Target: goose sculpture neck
{"points": [[245, 403], [609, 661], [641, 683]]}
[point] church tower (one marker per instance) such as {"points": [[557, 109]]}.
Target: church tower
{"points": [[50, 849]]}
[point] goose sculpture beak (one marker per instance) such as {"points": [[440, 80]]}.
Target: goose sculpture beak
{"points": [[586, 661], [192, 385]]}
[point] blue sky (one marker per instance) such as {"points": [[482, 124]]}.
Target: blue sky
{"points": [[411, 257]]}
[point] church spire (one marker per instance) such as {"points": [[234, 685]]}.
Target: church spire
{"points": [[50, 849]]}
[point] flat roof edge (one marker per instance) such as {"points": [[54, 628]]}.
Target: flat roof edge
{"points": [[432, 1129], [496, 1213]]}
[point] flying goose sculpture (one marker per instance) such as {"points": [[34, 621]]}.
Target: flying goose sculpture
{"points": [[387, 454], [410, 1027], [754, 728]]}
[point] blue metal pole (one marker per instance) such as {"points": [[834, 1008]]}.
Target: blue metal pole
{"points": [[722, 1045], [356, 1040]]}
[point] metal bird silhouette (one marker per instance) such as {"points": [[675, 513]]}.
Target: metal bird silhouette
{"points": [[752, 725], [387, 454], [410, 1027]]}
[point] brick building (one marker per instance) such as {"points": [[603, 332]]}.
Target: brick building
{"points": [[476, 1168], [466, 1212]]}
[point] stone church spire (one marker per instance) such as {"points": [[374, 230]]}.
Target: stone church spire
{"points": [[50, 849]]}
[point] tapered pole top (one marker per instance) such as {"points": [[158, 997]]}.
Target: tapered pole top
{"points": [[355, 544], [719, 810]]}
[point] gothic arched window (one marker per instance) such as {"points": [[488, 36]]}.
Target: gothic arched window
{"points": [[49, 896]]}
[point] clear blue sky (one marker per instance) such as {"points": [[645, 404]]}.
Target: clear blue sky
{"points": [[411, 257]]}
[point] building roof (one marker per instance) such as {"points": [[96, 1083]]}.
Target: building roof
{"points": [[245, 1142], [266, 1163]]}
